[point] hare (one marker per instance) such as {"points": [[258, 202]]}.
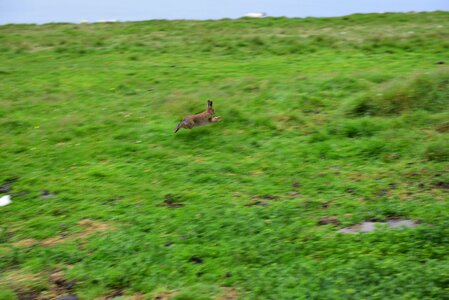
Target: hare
{"points": [[200, 119]]}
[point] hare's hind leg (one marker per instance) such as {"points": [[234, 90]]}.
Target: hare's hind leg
{"points": [[179, 126], [188, 124], [184, 124]]}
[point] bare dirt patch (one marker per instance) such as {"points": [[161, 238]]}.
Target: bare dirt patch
{"points": [[27, 295], [20, 282], [57, 286], [134, 297], [26, 243], [329, 220], [229, 293], [89, 227], [52, 241], [167, 295], [60, 287], [122, 297], [19, 278]]}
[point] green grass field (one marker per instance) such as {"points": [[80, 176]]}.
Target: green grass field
{"points": [[343, 119]]}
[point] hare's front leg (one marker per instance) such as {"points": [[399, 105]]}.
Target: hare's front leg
{"points": [[216, 119]]}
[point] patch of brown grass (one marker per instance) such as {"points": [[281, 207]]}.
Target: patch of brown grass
{"points": [[166, 295], [229, 293], [52, 241], [26, 243], [137, 296], [25, 285], [20, 278], [89, 227]]}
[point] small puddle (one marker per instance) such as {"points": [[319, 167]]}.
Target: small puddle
{"points": [[371, 226]]}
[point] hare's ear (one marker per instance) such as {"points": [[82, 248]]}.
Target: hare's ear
{"points": [[209, 104]]}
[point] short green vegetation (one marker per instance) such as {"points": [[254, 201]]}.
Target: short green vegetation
{"points": [[327, 122]]}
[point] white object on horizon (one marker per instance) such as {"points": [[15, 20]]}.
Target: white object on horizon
{"points": [[106, 21], [5, 200], [256, 15]]}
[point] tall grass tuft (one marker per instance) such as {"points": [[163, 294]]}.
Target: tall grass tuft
{"points": [[421, 91], [437, 151]]}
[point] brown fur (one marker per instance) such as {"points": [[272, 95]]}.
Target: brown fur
{"points": [[203, 118]]}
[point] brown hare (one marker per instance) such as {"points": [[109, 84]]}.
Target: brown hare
{"points": [[200, 119]]}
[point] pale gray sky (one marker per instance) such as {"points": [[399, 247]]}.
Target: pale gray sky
{"points": [[44, 11]]}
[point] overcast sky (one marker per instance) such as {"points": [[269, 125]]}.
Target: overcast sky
{"points": [[44, 11]]}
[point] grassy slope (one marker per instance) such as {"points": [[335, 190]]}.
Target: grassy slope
{"points": [[87, 112]]}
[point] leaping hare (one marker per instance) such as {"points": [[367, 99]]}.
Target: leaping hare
{"points": [[200, 119]]}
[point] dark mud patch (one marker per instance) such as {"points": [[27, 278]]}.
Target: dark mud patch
{"points": [[114, 294], [61, 283], [165, 295], [257, 203], [333, 220], [293, 194], [45, 194], [296, 185], [262, 200], [268, 197], [172, 201], [442, 185], [27, 294], [196, 260], [351, 191], [61, 288], [113, 201], [325, 205], [7, 184]]}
